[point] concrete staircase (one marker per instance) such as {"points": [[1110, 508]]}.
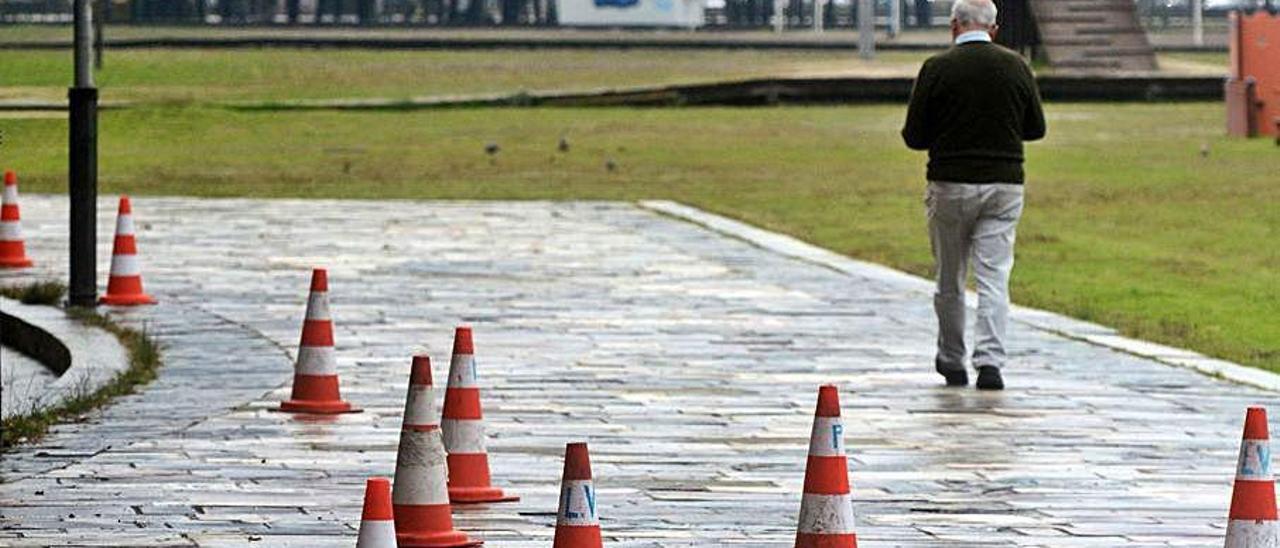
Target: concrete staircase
{"points": [[1093, 35]]}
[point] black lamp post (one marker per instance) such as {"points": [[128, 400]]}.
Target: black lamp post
{"points": [[83, 182]]}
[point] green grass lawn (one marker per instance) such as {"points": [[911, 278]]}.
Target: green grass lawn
{"points": [[188, 76], [1127, 224], [185, 76]]}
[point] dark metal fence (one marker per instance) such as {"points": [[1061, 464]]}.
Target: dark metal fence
{"points": [[726, 14]]}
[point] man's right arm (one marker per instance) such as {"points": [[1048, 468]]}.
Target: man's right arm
{"points": [[916, 131]]}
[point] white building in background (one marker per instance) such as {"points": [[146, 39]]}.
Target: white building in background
{"points": [[631, 13]]}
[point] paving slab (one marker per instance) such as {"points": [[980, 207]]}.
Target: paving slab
{"points": [[689, 359]]}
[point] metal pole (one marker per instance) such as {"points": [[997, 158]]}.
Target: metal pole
{"points": [[817, 16], [895, 18], [867, 29], [1197, 22], [779, 15], [98, 38], [83, 152]]}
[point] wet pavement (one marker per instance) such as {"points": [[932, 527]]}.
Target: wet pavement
{"points": [[689, 359]]}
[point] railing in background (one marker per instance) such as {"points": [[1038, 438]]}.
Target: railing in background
{"points": [[722, 14]]}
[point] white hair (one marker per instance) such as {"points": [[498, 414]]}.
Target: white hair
{"points": [[974, 12]]}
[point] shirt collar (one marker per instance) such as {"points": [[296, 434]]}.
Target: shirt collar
{"points": [[973, 36]]}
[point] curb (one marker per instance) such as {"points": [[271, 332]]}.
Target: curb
{"points": [[763, 91], [94, 356], [1041, 320]]}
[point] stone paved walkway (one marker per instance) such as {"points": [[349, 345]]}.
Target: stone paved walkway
{"points": [[687, 358]]}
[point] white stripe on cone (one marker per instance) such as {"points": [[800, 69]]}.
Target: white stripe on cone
{"points": [[827, 438], [577, 503], [316, 360], [420, 405], [463, 436], [421, 469], [10, 194], [124, 225], [1252, 534], [1255, 461], [125, 265], [377, 534], [10, 231], [826, 514], [318, 306], [462, 371]]}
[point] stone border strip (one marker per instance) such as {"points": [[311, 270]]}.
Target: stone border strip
{"points": [[781, 90], [1037, 319], [95, 355], [746, 92], [35, 342], [580, 38]]}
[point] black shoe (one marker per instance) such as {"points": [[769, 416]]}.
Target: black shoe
{"points": [[989, 378], [955, 377]]}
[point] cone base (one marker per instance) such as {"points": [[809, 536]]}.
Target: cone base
{"points": [[126, 300], [811, 540], [441, 539], [20, 262], [577, 536], [479, 495], [317, 407]]}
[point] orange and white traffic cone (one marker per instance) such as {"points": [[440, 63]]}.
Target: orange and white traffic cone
{"points": [[13, 251], [124, 287], [826, 510], [315, 374], [577, 524], [421, 495], [1252, 522], [377, 526], [463, 427]]}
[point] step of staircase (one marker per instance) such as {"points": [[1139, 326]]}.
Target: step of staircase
{"points": [[1093, 35]]}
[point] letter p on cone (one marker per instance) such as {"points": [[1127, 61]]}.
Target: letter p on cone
{"points": [[1252, 522], [826, 509]]}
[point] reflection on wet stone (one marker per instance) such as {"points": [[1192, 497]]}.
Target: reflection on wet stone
{"points": [[688, 359]]}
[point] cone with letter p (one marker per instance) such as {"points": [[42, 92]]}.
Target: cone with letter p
{"points": [[1252, 521], [421, 495], [13, 250], [577, 524], [826, 509], [315, 374], [463, 428]]}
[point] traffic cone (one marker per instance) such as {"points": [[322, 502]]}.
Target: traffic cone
{"points": [[377, 526], [315, 375], [463, 428], [421, 494], [13, 252], [826, 509], [1252, 522], [124, 287], [577, 524]]}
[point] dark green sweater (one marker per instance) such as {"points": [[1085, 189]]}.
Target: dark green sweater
{"points": [[971, 108]]}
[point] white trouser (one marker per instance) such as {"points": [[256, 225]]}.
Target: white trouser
{"points": [[977, 221]]}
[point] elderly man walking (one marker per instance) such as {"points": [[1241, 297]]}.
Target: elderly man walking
{"points": [[972, 108]]}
